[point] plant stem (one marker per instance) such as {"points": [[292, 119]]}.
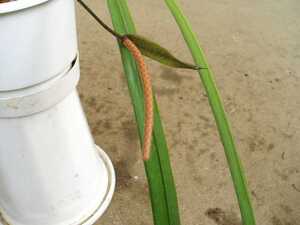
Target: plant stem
{"points": [[219, 114], [106, 27]]}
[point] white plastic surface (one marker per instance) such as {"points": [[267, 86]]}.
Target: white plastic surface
{"points": [[27, 101], [50, 173], [37, 40], [14, 6], [111, 188]]}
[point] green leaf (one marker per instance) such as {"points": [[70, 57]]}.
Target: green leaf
{"points": [[158, 169], [206, 76], [158, 53]]}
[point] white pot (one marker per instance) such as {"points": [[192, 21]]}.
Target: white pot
{"points": [[37, 41], [51, 172]]}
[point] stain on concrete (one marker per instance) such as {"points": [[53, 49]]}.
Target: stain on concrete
{"points": [[122, 173], [259, 199], [286, 173], [213, 157], [204, 118], [202, 151], [277, 79], [295, 188], [270, 147], [81, 96], [100, 108], [129, 129], [276, 221], [107, 125], [288, 210], [171, 75], [198, 179], [282, 175], [204, 134], [164, 91], [100, 127], [220, 217], [91, 101], [257, 143]]}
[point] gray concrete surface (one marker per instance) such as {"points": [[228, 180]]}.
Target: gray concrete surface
{"points": [[254, 49]]}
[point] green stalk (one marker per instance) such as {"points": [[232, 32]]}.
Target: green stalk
{"points": [[206, 76], [158, 168]]}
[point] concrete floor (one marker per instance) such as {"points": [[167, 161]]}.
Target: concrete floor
{"points": [[254, 49]]}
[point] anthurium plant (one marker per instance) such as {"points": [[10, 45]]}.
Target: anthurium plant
{"points": [[133, 47], [157, 164]]}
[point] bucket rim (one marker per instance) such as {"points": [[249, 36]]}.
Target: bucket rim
{"points": [[10, 7], [103, 204], [110, 189]]}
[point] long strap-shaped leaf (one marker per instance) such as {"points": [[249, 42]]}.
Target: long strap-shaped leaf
{"points": [[219, 114], [158, 169]]}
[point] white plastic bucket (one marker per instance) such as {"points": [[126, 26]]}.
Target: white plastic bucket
{"points": [[51, 173], [37, 41]]}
